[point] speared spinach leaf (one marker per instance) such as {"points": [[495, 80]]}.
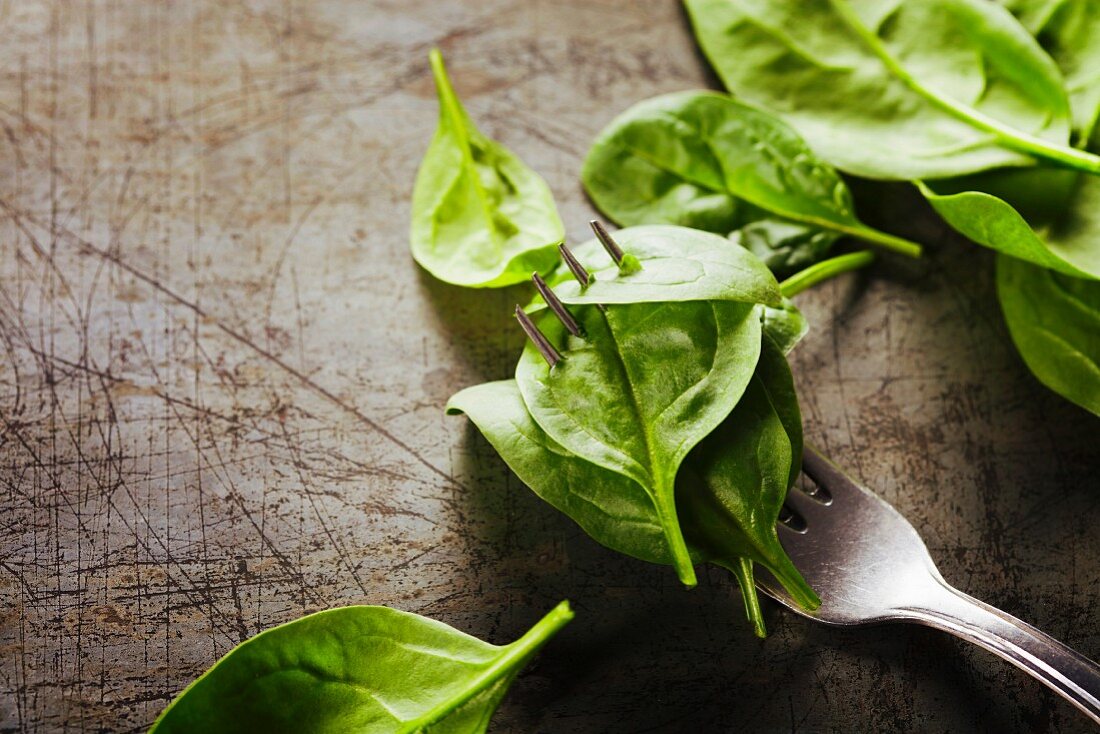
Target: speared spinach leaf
{"points": [[646, 383], [1054, 321], [367, 669], [677, 264], [705, 160], [605, 429], [896, 90], [480, 216]]}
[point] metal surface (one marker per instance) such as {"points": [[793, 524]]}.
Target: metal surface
{"points": [[869, 566], [222, 382]]}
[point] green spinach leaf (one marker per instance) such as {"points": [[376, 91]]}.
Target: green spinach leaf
{"points": [[677, 264], [364, 669], [738, 477], [1068, 242], [784, 246], [1069, 30], [611, 507], [480, 217], [646, 384], [892, 89], [705, 160], [1055, 323], [784, 325]]}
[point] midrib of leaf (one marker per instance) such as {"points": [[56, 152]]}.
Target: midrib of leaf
{"points": [[664, 496], [452, 108], [1018, 140], [887, 241], [513, 656]]}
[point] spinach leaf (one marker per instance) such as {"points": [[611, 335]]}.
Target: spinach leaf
{"points": [[785, 246], [738, 477], [706, 160], [892, 89], [1069, 30], [611, 507], [677, 264], [480, 217], [365, 669], [646, 384], [1055, 323], [784, 325], [1068, 243]]}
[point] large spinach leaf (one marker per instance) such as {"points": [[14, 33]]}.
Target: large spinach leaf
{"points": [[1055, 323], [895, 90], [480, 217], [705, 160], [363, 669], [1047, 217], [677, 264], [1070, 32], [645, 385]]}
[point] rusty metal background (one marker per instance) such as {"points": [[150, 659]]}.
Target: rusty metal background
{"points": [[222, 380]]}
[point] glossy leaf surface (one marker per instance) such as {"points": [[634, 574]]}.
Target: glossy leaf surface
{"points": [[648, 382], [705, 160], [677, 264], [895, 90], [365, 669], [1055, 323], [480, 216]]}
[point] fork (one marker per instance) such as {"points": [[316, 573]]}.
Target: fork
{"points": [[869, 566]]}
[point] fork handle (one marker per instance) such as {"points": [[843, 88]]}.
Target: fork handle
{"points": [[1066, 671]]}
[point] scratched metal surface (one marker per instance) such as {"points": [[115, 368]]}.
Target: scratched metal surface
{"points": [[222, 380]]}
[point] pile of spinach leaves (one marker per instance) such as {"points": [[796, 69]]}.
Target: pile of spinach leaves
{"points": [[991, 109], [670, 428]]}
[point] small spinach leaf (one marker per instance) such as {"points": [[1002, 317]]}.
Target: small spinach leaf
{"points": [[784, 325], [1055, 323], [677, 264], [738, 477], [706, 160], [364, 669], [480, 217], [895, 90], [648, 382], [1068, 242], [784, 246]]}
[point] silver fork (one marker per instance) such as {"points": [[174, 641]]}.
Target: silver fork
{"points": [[869, 566]]}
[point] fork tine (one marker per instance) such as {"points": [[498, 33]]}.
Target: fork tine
{"points": [[557, 306], [809, 508], [825, 473]]}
